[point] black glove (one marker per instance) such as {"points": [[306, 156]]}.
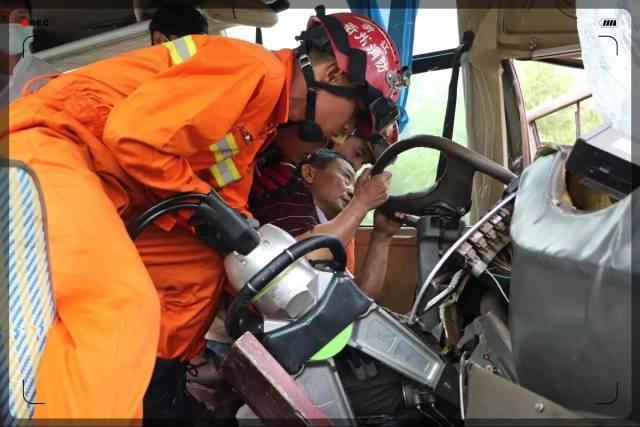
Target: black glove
{"points": [[223, 228]]}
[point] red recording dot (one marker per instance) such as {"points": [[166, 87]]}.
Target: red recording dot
{"points": [[24, 22]]}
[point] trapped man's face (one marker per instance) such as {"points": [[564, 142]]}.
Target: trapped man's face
{"points": [[332, 187]]}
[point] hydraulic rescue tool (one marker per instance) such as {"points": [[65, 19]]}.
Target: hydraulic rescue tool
{"points": [[309, 313]]}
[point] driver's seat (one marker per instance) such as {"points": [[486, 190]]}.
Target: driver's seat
{"points": [[27, 289]]}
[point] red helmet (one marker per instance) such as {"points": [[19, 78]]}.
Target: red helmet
{"points": [[367, 54]]}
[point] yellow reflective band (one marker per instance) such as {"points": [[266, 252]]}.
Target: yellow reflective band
{"points": [[217, 176], [224, 148], [191, 45], [225, 172], [233, 169], [181, 49], [175, 56]]}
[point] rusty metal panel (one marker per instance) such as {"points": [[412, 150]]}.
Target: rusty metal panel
{"points": [[267, 388]]}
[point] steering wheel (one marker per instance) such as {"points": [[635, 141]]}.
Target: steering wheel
{"points": [[452, 192]]}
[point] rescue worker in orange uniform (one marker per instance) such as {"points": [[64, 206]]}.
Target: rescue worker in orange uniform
{"points": [[112, 138]]}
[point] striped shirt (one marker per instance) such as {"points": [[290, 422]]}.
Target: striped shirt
{"points": [[279, 197]]}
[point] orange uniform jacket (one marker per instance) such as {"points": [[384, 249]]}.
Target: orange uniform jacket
{"points": [[169, 119], [188, 115]]}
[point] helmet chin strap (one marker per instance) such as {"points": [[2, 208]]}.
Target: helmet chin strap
{"points": [[308, 129]]}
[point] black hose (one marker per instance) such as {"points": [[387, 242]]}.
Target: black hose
{"points": [[277, 265], [233, 321], [155, 214], [161, 205]]}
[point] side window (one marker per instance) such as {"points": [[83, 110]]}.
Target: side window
{"points": [[558, 102], [415, 170]]}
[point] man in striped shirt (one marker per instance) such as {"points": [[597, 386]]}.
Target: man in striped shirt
{"points": [[323, 196]]}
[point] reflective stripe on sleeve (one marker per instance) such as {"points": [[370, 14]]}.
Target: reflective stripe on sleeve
{"points": [[225, 172], [224, 148]]}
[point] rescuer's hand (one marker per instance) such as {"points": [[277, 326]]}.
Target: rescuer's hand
{"points": [[372, 191]]}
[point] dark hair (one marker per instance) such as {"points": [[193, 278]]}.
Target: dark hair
{"points": [[178, 20], [322, 159]]}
